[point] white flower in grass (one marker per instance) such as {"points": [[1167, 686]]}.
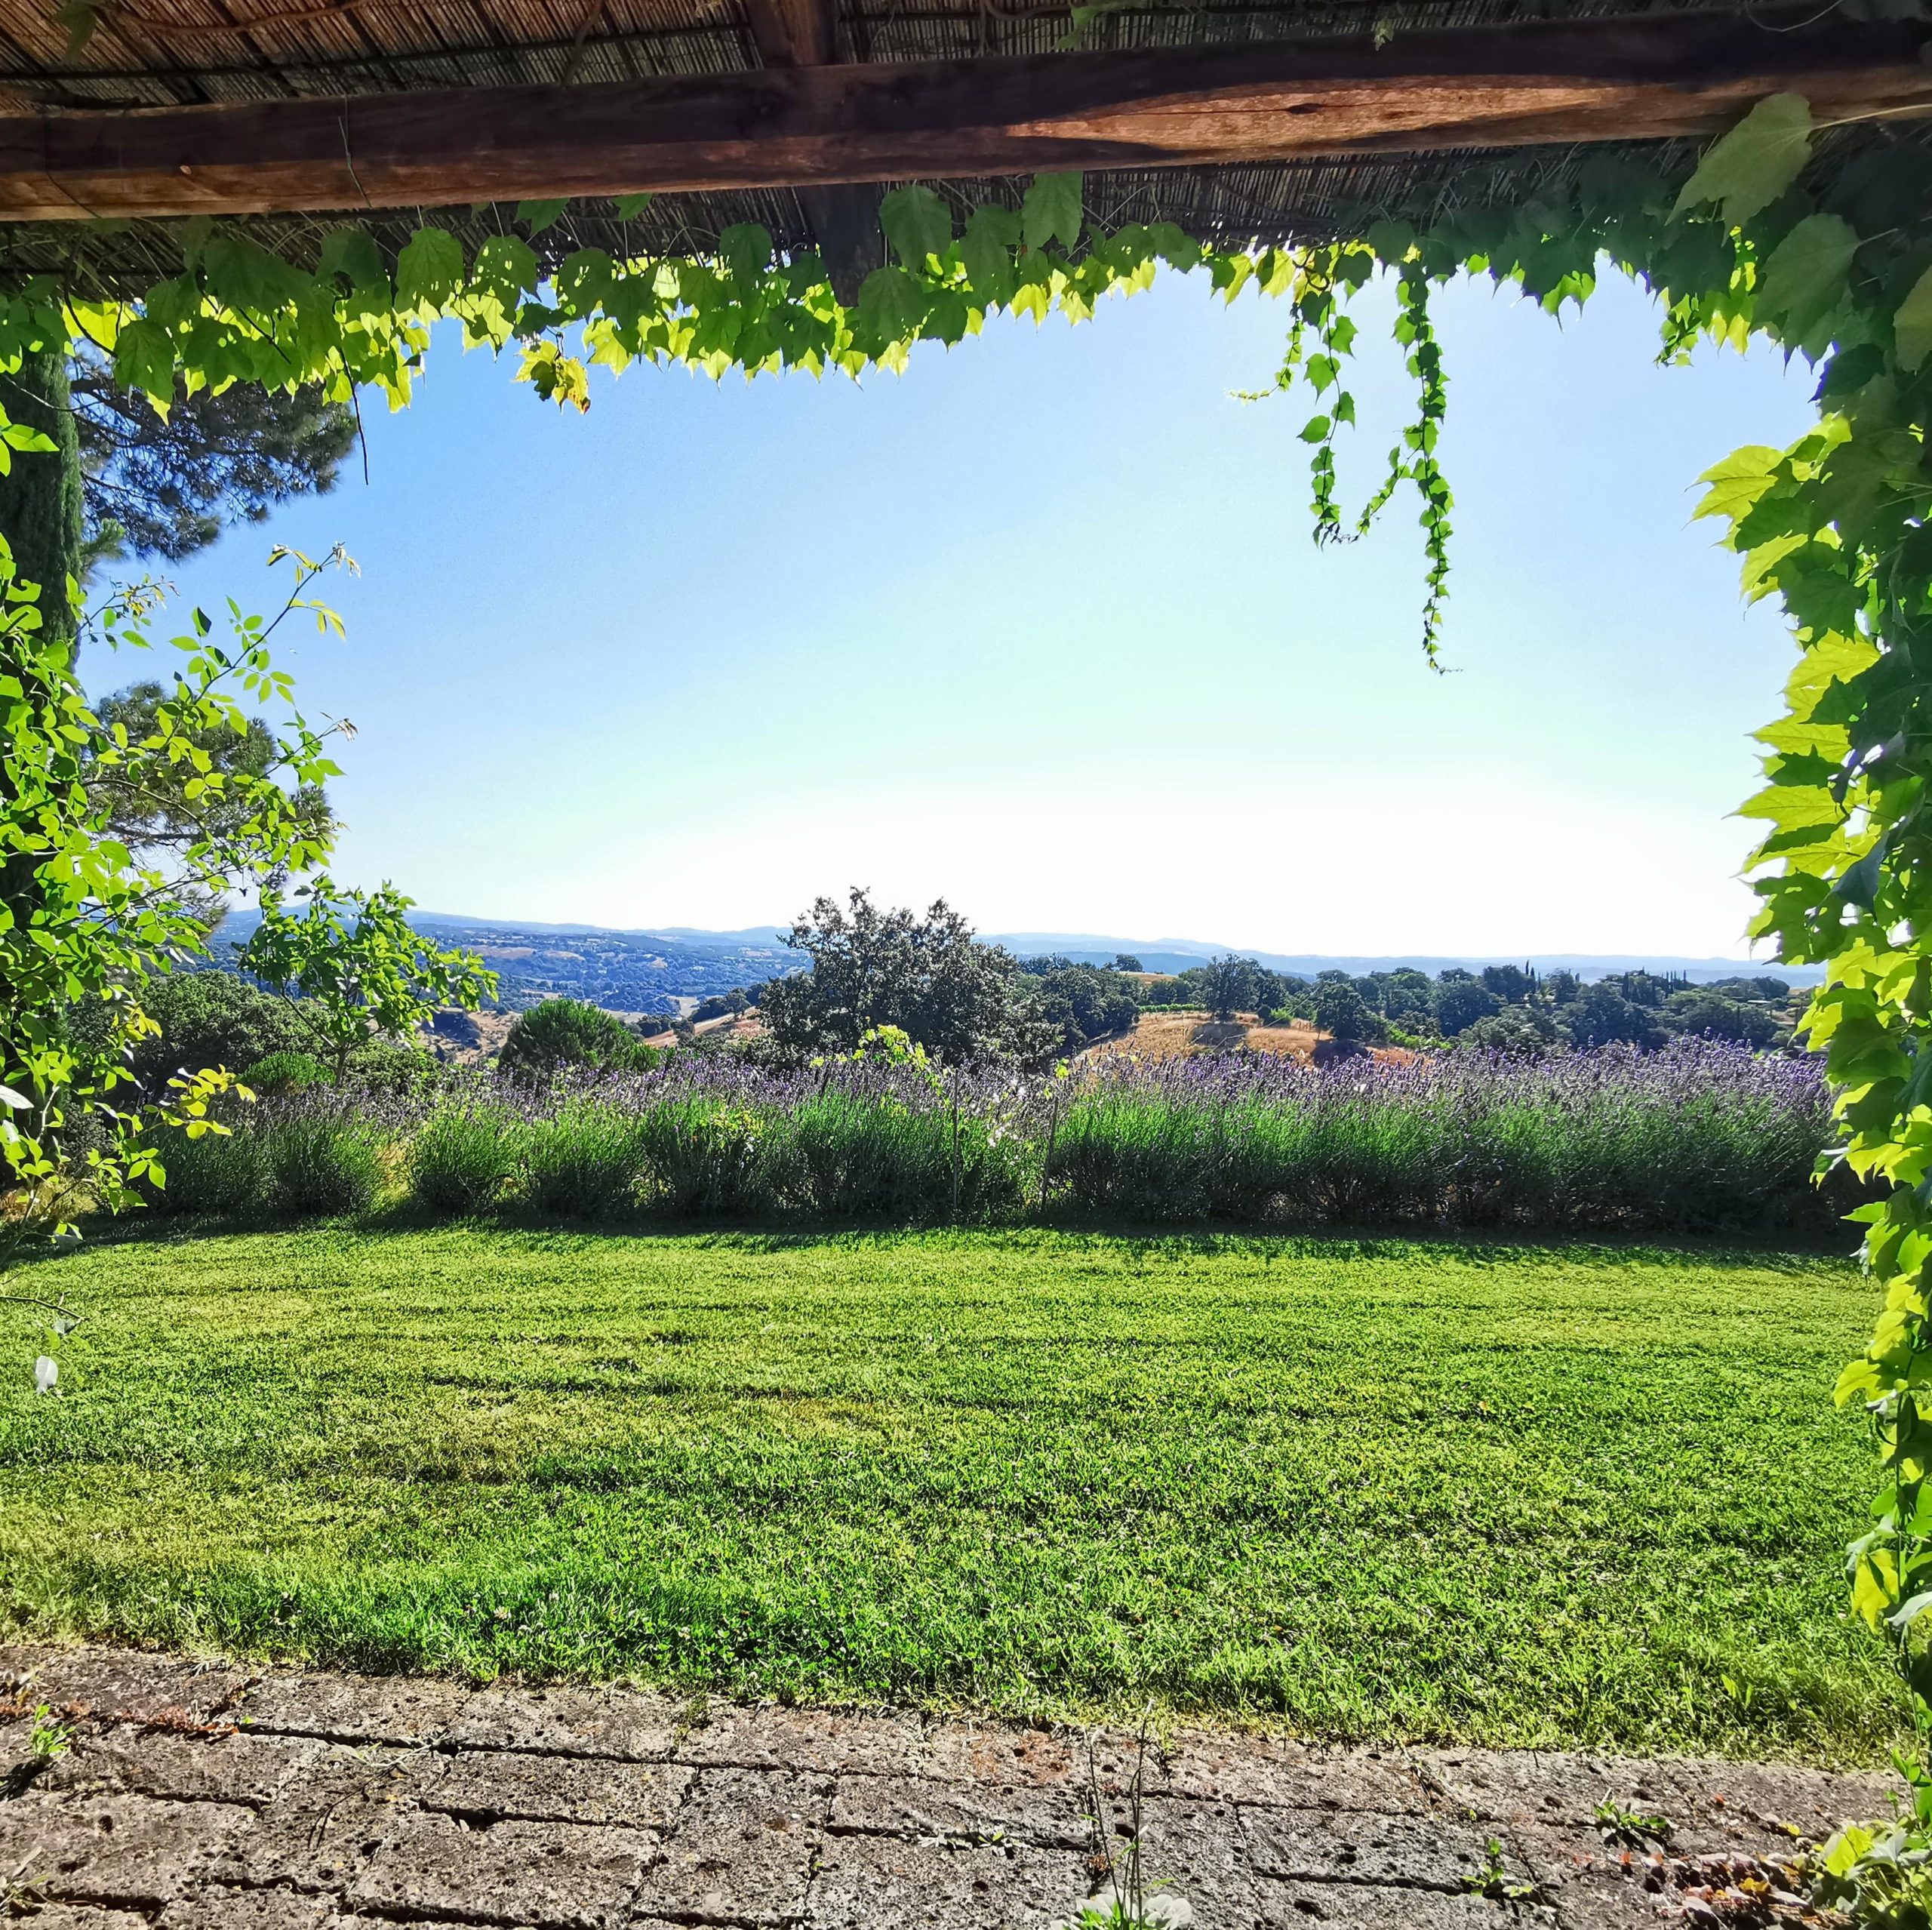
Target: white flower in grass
{"points": [[46, 1371]]}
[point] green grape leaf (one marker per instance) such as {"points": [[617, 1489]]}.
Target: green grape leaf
{"points": [[352, 253], [536, 216], [1391, 241], [891, 305], [1747, 169], [1911, 326], [504, 267], [243, 273], [1738, 481], [630, 206], [80, 17], [917, 223], [948, 318], [1804, 279], [429, 269], [745, 248], [1052, 211], [144, 359], [986, 248]]}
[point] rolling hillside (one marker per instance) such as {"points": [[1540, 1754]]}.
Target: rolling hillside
{"points": [[652, 971]]}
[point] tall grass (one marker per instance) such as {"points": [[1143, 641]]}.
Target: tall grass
{"points": [[1702, 1137]]}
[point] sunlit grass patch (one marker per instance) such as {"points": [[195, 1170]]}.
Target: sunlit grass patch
{"points": [[1503, 1492]]}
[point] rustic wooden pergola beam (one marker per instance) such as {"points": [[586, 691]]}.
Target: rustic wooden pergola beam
{"points": [[807, 126], [843, 215]]}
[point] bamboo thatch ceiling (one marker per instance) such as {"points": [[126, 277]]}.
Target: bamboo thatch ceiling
{"points": [[150, 54]]}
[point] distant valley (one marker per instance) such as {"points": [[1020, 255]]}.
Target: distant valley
{"points": [[670, 968]]}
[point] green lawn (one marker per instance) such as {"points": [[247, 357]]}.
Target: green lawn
{"points": [[1508, 1493]]}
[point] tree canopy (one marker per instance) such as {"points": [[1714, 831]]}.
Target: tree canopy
{"points": [[166, 485], [950, 994]]}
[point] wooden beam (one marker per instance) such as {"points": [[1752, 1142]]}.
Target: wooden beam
{"points": [[793, 33], [843, 215], [1480, 87]]}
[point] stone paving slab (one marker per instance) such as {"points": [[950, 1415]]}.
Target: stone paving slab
{"points": [[198, 1796]]}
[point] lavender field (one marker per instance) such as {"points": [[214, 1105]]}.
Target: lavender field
{"points": [[1702, 1137]]}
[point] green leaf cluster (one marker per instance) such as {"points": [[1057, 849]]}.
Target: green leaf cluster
{"points": [[86, 923]]}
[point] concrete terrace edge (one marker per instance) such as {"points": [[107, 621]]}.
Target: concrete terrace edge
{"points": [[192, 1795]]}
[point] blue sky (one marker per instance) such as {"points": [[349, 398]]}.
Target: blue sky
{"points": [[1039, 626]]}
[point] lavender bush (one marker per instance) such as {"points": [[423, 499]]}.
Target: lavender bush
{"points": [[1702, 1137]]}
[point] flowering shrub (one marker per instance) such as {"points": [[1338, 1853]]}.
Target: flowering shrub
{"points": [[1704, 1136]]}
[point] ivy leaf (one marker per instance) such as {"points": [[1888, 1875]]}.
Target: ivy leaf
{"points": [[429, 269], [1911, 327], [986, 248], [1052, 211], [1750, 168], [536, 216], [1804, 279], [917, 223], [891, 305], [630, 206]]}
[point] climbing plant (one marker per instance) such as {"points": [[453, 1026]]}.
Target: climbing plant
{"points": [[1817, 240], [85, 921]]}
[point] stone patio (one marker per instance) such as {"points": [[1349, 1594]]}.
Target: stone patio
{"points": [[197, 1796]]}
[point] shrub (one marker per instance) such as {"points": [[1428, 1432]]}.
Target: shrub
{"points": [[210, 1018], [393, 1068], [281, 1072], [464, 1160], [566, 1032], [1699, 1136], [226, 1173], [320, 1163], [841, 1155], [701, 1157], [587, 1162]]}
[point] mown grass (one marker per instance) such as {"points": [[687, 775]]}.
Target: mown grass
{"points": [[1504, 1493]]}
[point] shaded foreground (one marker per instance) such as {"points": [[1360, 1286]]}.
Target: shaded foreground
{"points": [[1569, 1496], [229, 1800]]}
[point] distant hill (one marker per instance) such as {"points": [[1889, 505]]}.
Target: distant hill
{"points": [[1182, 954], [658, 970], [624, 971]]}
